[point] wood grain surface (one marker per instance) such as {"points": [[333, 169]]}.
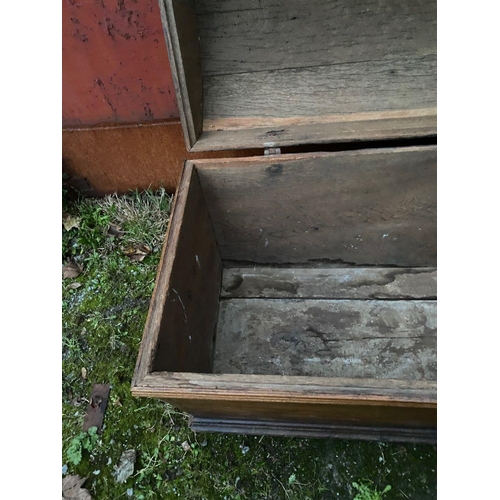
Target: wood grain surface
{"points": [[187, 328], [329, 338], [370, 207], [306, 429], [240, 36], [357, 413], [339, 89], [329, 283], [288, 389], [179, 26], [277, 58], [180, 327], [399, 406], [237, 133], [410, 416]]}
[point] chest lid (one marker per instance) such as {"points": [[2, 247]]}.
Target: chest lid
{"points": [[272, 73]]}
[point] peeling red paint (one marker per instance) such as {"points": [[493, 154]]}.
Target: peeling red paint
{"points": [[115, 63]]}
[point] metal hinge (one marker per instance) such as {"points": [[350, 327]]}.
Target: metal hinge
{"points": [[272, 151]]}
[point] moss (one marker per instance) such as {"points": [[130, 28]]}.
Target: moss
{"points": [[102, 328]]}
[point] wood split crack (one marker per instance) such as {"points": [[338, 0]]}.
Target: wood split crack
{"points": [[182, 304], [312, 66], [329, 299]]}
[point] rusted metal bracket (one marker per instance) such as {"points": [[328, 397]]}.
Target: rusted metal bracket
{"points": [[97, 407]]}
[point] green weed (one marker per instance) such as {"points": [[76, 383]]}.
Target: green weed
{"points": [[367, 492], [83, 441]]}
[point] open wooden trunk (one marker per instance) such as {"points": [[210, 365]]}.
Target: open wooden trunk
{"points": [[297, 293]]}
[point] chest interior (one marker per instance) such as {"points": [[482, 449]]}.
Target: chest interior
{"points": [[315, 265]]}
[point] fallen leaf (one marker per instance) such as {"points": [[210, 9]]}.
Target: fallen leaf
{"points": [[84, 373], [117, 402], [71, 270], [115, 230], [70, 221], [185, 446], [137, 252], [74, 285], [125, 467], [72, 488]]}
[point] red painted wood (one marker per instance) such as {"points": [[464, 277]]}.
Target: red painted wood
{"points": [[115, 63]]}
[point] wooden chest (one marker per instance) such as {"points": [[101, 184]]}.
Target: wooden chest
{"points": [[297, 293]]}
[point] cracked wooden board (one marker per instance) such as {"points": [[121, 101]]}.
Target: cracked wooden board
{"points": [[327, 338], [253, 36]]}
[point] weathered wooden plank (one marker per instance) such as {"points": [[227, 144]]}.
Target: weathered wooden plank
{"points": [[180, 327], [147, 348], [240, 133], [283, 426], [187, 329], [329, 283], [288, 389], [327, 338], [372, 207], [248, 36], [339, 89], [179, 26], [255, 123]]}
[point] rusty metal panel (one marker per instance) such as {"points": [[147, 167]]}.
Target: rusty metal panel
{"points": [[115, 63], [104, 159]]}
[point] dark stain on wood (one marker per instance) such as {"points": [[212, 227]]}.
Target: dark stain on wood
{"points": [[274, 170], [235, 284], [342, 319]]}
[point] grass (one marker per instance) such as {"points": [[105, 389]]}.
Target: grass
{"points": [[102, 323]]}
